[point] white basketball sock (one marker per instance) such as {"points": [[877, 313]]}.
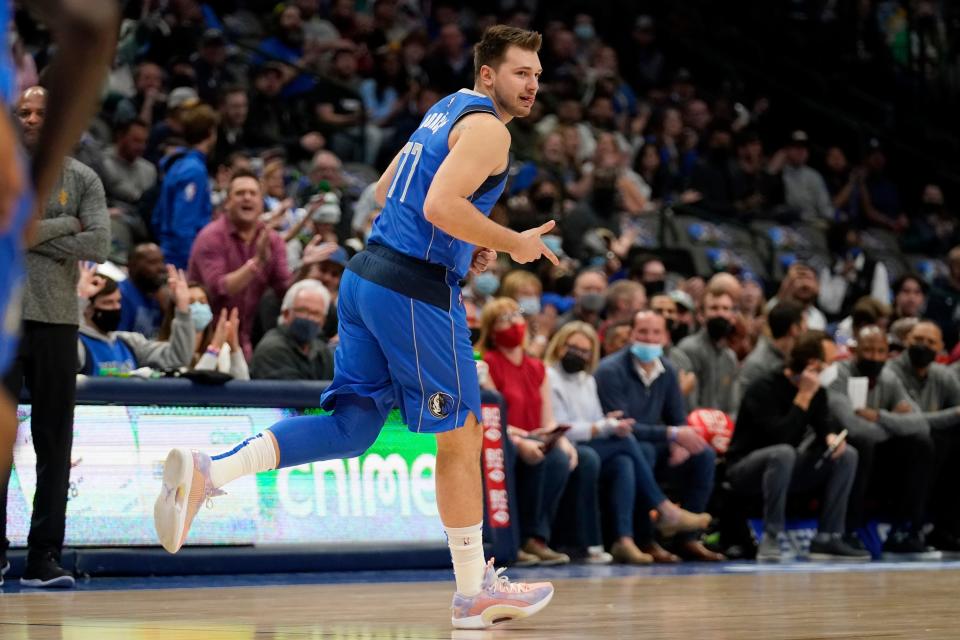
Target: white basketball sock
{"points": [[466, 550], [253, 455]]}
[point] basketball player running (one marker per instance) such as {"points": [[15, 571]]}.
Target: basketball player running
{"points": [[403, 331], [85, 34]]}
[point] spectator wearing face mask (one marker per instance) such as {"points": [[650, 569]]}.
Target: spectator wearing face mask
{"points": [[589, 296], [651, 273], [893, 442], [140, 310], [664, 306], [527, 290], [216, 346], [935, 389], [711, 359], [102, 350], [294, 349], [772, 454]]}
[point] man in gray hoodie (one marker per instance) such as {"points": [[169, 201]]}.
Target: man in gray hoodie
{"points": [[893, 440], [935, 389]]}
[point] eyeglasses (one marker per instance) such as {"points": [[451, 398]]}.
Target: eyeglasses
{"points": [[510, 318]]}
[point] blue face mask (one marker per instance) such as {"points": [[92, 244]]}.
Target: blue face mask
{"points": [[646, 352], [486, 283], [201, 314], [554, 243], [529, 305]]}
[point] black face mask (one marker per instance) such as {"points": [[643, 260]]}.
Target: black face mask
{"points": [[870, 368], [544, 204], [563, 285], [654, 287], [719, 328], [921, 356], [475, 335], [303, 330], [149, 285], [677, 331], [603, 201], [573, 362], [106, 320]]}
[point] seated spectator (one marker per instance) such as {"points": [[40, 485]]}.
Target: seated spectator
{"points": [[102, 350], [785, 323], [933, 229], [625, 299], [651, 273], [616, 337], [713, 174], [589, 298], [542, 472], [711, 359], [637, 382], [217, 346], [571, 358], [897, 338], [140, 307], [882, 208], [294, 349], [526, 289], [936, 391], [664, 306], [943, 305], [164, 133], [184, 205], [127, 176], [772, 454], [909, 297], [892, 440], [800, 285], [804, 187], [866, 312], [237, 258], [686, 322], [340, 110], [278, 121], [235, 133]]}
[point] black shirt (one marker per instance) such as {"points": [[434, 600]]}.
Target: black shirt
{"points": [[768, 417]]}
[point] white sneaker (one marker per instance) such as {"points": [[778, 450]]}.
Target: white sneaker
{"points": [[186, 486]]}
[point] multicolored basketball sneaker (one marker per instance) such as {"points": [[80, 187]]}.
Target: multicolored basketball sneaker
{"points": [[499, 601], [186, 486]]}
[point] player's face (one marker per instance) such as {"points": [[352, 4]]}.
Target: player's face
{"points": [[516, 81]]}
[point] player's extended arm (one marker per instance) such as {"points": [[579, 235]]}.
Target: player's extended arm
{"points": [[478, 153], [383, 184], [85, 32]]}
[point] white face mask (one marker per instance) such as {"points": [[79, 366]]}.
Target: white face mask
{"points": [[828, 375]]}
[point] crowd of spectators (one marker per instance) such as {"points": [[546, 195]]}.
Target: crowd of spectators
{"points": [[233, 160]]}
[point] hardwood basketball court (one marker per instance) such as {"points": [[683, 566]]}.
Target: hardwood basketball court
{"points": [[739, 602]]}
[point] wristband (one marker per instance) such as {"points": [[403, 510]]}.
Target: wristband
{"points": [[672, 434], [213, 351]]}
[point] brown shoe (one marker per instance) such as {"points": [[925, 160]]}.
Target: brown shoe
{"points": [[629, 553], [525, 559], [687, 521], [659, 554], [696, 551], [547, 556]]}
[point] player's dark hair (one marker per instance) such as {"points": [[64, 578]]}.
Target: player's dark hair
{"points": [[809, 347], [497, 39]]}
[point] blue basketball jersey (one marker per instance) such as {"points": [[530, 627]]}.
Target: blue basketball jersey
{"points": [[8, 75], [402, 225]]}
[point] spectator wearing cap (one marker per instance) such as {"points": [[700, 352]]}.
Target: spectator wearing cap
{"points": [[295, 349], [936, 391], [180, 101], [665, 306], [589, 295], [236, 257], [804, 187], [784, 324], [183, 206], [892, 439], [711, 359], [102, 350], [211, 68], [686, 321]]}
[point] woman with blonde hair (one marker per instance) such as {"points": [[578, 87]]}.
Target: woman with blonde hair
{"points": [[526, 289], [546, 458], [572, 356]]}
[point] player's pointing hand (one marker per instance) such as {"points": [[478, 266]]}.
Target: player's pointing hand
{"points": [[531, 246]]}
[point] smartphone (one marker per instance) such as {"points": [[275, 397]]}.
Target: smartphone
{"points": [[550, 439]]}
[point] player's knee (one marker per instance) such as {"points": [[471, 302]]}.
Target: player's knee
{"points": [[465, 440]]}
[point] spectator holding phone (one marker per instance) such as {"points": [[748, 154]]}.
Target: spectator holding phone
{"points": [[572, 356], [542, 472]]}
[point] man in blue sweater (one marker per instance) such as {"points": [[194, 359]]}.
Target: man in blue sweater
{"points": [[638, 382], [183, 207]]}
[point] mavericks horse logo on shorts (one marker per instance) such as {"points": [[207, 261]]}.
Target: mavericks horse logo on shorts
{"points": [[440, 404]]}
